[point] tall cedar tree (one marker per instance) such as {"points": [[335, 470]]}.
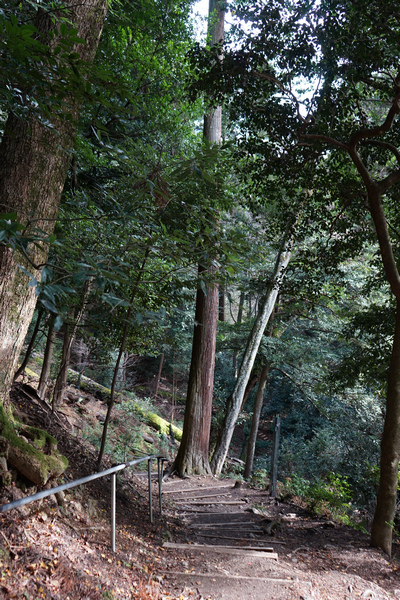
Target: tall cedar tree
{"points": [[193, 452]]}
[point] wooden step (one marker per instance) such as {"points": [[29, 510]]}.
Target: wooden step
{"points": [[243, 551]]}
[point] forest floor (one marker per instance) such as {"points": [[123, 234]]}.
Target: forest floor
{"points": [[57, 552]]}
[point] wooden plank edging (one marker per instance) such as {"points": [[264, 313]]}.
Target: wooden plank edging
{"points": [[244, 551]]}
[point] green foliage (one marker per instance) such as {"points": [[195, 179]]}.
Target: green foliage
{"points": [[260, 478], [10, 232], [39, 61], [330, 496]]}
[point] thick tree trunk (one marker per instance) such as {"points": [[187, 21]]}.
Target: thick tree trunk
{"points": [[193, 452], [258, 404], [47, 359], [33, 166], [235, 399]]}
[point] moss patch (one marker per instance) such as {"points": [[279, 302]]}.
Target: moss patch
{"points": [[27, 456], [159, 423]]}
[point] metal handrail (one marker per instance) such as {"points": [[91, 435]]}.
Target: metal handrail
{"points": [[113, 472]]}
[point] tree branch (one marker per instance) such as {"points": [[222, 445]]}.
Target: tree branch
{"points": [[363, 134]]}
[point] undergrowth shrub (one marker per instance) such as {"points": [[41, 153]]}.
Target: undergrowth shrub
{"points": [[330, 497]]}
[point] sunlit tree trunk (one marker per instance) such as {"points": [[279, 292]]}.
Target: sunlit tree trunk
{"points": [[69, 336], [61, 379], [159, 373], [234, 402]]}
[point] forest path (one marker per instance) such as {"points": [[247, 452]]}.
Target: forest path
{"points": [[64, 553], [227, 552]]}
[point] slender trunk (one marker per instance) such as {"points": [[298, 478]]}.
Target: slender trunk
{"points": [[382, 525], [235, 399], [47, 358], [381, 535], [61, 380], [69, 336], [258, 404], [221, 309], [249, 388], [30, 346], [34, 160], [158, 378], [118, 361]]}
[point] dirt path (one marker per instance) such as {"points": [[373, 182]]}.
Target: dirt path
{"points": [[226, 552]]}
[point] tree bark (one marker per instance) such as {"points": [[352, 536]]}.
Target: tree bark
{"points": [[258, 404], [235, 399], [382, 526], [33, 165], [69, 336]]}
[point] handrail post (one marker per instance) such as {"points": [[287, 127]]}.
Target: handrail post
{"points": [[274, 457], [160, 463], [150, 490], [113, 507]]}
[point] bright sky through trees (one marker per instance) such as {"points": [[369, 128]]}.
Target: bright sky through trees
{"points": [[200, 12]]}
